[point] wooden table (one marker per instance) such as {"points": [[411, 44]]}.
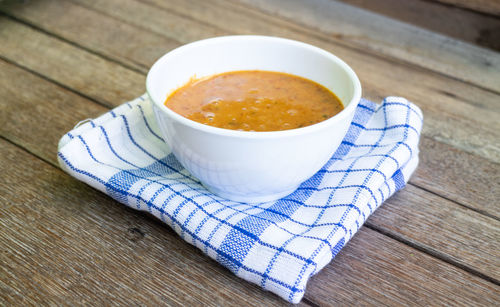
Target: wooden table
{"points": [[436, 242]]}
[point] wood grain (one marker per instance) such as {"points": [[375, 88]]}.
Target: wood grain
{"points": [[454, 233], [138, 46], [75, 246], [485, 6], [37, 113], [460, 176], [93, 75], [446, 103], [394, 275], [42, 139], [100, 32], [462, 24], [71, 245]]}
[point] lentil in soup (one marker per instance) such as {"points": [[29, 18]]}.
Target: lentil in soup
{"points": [[254, 101]]}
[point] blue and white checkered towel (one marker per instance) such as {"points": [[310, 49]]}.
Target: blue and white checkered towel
{"points": [[278, 245]]}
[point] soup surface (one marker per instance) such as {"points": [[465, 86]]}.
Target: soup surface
{"points": [[254, 101]]}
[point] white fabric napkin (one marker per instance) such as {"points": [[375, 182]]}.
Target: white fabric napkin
{"points": [[278, 245]]}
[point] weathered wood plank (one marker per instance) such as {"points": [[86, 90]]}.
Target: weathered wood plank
{"points": [[390, 37], [71, 245], [485, 6], [25, 117], [463, 24], [460, 176], [132, 45], [447, 103], [93, 75], [41, 138], [454, 233], [64, 243], [395, 275]]}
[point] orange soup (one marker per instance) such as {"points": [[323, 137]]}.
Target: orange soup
{"points": [[254, 101]]}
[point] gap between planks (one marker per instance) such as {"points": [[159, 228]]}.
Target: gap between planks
{"points": [[486, 7], [473, 27]]}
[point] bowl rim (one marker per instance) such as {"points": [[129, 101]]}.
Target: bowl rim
{"points": [[258, 134]]}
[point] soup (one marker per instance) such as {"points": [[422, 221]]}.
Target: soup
{"points": [[254, 101]]}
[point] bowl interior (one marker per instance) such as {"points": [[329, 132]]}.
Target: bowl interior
{"points": [[232, 53]]}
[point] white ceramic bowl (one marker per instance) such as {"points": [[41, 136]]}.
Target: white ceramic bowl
{"points": [[251, 166]]}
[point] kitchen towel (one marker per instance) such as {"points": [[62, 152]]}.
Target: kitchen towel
{"points": [[278, 245]]}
